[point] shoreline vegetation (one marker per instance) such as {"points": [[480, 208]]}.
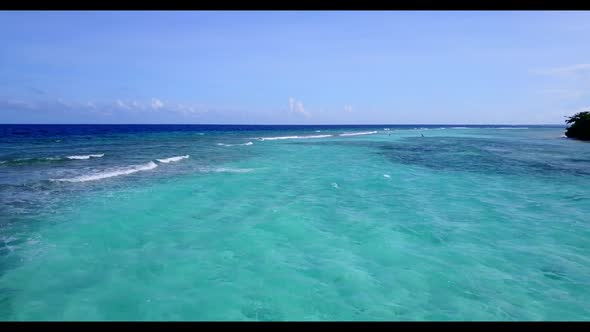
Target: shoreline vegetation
{"points": [[579, 126]]}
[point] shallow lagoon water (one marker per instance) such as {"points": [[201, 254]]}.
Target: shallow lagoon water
{"points": [[465, 223]]}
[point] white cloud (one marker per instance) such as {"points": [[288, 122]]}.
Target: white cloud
{"points": [[297, 107], [186, 109], [347, 108], [566, 71], [564, 94], [108, 107], [16, 104], [122, 105], [157, 103], [302, 110]]}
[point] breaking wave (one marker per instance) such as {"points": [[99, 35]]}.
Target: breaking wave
{"points": [[224, 144], [172, 159], [88, 156], [361, 133], [292, 137], [110, 174]]}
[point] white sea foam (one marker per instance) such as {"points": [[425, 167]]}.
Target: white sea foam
{"points": [[40, 159], [88, 156], [459, 128], [224, 144], [276, 138], [386, 175], [36, 159], [227, 170], [361, 133], [512, 128], [563, 136], [386, 129], [110, 174], [334, 184], [318, 131], [171, 159], [292, 137]]}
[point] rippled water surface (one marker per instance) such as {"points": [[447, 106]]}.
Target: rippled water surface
{"points": [[293, 223]]}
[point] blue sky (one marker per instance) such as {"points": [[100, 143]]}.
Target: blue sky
{"points": [[284, 67]]}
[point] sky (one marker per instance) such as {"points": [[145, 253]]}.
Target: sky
{"points": [[294, 67]]}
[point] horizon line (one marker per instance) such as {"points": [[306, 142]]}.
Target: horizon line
{"points": [[274, 124]]}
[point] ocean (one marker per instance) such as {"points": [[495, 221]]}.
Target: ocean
{"points": [[291, 223]]}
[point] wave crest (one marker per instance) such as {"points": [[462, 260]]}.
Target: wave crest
{"points": [[171, 159], [360, 133], [110, 174], [224, 144], [88, 156], [292, 137]]}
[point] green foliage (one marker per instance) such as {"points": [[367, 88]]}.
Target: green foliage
{"points": [[579, 126]]}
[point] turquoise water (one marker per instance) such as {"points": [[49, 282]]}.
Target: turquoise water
{"points": [[461, 224]]}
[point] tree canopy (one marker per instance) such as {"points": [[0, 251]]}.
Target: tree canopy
{"points": [[579, 126]]}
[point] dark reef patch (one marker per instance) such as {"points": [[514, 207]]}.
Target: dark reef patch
{"points": [[483, 155]]}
